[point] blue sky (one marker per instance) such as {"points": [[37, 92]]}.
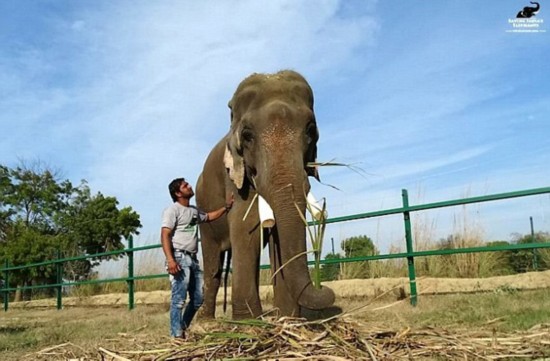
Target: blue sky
{"points": [[432, 96]]}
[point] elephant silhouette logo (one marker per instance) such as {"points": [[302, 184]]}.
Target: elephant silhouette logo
{"points": [[529, 11]]}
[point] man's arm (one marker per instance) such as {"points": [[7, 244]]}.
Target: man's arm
{"points": [[212, 216], [173, 266]]}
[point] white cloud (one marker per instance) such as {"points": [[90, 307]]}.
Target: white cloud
{"points": [[413, 170]]}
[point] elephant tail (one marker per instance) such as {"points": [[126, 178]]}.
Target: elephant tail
{"points": [[225, 279]]}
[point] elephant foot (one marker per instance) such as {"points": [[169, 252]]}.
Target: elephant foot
{"points": [[206, 313], [312, 315], [243, 314], [290, 310]]}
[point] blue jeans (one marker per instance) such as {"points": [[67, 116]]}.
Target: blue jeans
{"points": [[188, 280]]}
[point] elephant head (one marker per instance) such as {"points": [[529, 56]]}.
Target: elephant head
{"points": [[272, 139], [261, 101], [529, 11]]}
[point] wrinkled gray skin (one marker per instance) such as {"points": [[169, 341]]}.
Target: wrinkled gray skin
{"points": [[273, 135], [529, 11]]}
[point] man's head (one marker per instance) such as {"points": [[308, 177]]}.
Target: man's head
{"points": [[179, 188]]}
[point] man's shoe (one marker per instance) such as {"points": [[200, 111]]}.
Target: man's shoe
{"points": [[180, 339]]}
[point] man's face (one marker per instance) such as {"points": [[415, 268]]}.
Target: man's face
{"points": [[185, 190]]}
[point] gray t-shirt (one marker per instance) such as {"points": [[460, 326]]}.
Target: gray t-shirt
{"points": [[183, 221]]}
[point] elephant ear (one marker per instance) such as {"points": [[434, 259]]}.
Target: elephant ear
{"points": [[311, 157], [313, 171], [232, 158], [235, 166]]}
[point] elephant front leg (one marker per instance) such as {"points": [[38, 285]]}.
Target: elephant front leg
{"points": [[246, 279]]}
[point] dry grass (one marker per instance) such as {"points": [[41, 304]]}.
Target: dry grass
{"points": [[544, 255], [467, 232], [345, 337], [354, 270], [479, 326]]}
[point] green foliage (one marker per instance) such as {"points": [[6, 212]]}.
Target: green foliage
{"points": [[5, 185], [34, 196], [506, 257], [359, 246], [330, 272], [520, 261], [41, 214], [94, 224], [27, 245], [526, 260], [29, 203]]}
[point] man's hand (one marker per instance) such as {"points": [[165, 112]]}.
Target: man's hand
{"points": [[173, 267], [229, 201], [212, 216]]}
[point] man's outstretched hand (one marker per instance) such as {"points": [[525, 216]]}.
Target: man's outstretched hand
{"points": [[229, 201]]}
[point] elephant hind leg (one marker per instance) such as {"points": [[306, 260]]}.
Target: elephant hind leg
{"points": [[213, 269], [226, 278]]}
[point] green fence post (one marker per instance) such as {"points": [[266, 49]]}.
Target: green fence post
{"points": [[409, 240], [130, 273], [535, 261], [59, 279], [6, 286]]}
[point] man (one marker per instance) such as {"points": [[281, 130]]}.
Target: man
{"points": [[179, 237]]}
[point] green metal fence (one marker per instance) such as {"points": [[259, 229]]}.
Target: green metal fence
{"points": [[410, 254]]}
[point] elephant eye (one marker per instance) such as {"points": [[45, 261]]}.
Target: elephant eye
{"points": [[311, 132], [247, 135]]}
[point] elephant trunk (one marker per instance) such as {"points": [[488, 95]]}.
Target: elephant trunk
{"points": [[291, 241], [537, 8]]}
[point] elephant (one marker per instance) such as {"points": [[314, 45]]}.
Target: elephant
{"points": [[268, 152], [529, 11]]}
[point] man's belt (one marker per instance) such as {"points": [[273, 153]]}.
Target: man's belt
{"points": [[184, 251]]}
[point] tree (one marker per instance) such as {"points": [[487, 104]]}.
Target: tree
{"points": [[524, 260], [34, 196], [42, 214], [29, 200], [358, 246], [94, 224], [27, 245], [330, 272], [5, 185]]}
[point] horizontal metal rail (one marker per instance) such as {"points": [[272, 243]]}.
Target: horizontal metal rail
{"points": [[79, 258], [455, 202]]}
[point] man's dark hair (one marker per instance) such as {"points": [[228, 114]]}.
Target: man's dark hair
{"points": [[174, 187]]}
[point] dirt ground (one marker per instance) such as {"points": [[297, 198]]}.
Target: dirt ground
{"points": [[396, 288]]}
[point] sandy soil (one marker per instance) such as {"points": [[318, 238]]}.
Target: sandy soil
{"points": [[356, 288]]}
